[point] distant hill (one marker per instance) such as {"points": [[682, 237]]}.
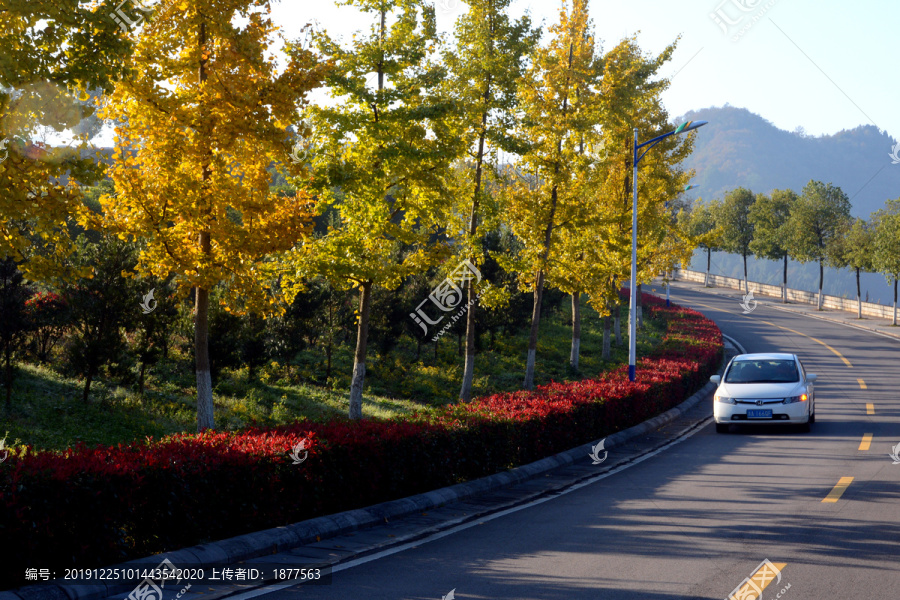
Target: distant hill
{"points": [[741, 149]]}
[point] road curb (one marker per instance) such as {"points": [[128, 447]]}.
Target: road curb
{"points": [[288, 537]]}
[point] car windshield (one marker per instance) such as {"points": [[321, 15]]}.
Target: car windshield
{"points": [[762, 371]]}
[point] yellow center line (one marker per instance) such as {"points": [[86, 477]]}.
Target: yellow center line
{"points": [[866, 441], [712, 307], [835, 494], [870, 408], [862, 384], [818, 341]]}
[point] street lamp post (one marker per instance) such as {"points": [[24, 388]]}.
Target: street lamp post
{"points": [[632, 306]]}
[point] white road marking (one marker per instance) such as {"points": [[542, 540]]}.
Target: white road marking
{"points": [[442, 534]]}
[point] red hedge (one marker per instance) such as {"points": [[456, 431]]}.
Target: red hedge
{"points": [[89, 507]]}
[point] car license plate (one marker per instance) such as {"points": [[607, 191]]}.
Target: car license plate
{"points": [[759, 414]]}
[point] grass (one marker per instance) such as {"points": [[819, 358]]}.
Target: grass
{"points": [[48, 413]]}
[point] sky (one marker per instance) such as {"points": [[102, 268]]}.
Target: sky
{"points": [[824, 66]]}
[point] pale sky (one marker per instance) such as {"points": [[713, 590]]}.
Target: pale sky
{"points": [[824, 66]]}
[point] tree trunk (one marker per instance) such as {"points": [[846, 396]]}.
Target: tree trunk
{"points": [[858, 297], [708, 261], [205, 408], [328, 360], [784, 282], [359, 358], [821, 277], [894, 319], [539, 284], [618, 324], [528, 384], [746, 285], [576, 331], [465, 391], [606, 337], [86, 392], [330, 344], [9, 377], [141, 377]]}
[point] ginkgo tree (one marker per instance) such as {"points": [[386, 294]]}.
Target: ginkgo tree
{"points": [[484, 69], [581, 266], [49, 52], [379, 159], [199, 122], [558, 98], [578, 264], [631, 97]]}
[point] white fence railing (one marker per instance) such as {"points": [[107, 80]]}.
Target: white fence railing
{"points": [[869, 309]]}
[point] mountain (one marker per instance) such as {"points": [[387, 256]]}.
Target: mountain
{"points": [[741, 149]]}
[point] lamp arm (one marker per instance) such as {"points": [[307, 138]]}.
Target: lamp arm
{"points": [[649, 144]]}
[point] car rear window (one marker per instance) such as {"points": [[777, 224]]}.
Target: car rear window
{"points": [[762, 371]]}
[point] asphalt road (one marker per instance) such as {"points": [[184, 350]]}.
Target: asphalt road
{"points": [[696, 520]]}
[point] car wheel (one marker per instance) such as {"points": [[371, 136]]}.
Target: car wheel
{"points": [[812, 418], [721, 427]]}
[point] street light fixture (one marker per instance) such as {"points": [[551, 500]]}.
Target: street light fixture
{"points": [[632, 307]]}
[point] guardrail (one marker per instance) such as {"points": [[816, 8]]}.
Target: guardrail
{"points": [[869, 309]]}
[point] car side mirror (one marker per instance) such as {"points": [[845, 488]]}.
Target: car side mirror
{"points": [[811, 377], [715, 379]]}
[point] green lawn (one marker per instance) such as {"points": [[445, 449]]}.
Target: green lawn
{"points": [[48, 413]]}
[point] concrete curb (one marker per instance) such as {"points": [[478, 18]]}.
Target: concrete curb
{"points": [[280, 539]]}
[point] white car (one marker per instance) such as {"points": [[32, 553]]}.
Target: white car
{"points": [[764, 388]]}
